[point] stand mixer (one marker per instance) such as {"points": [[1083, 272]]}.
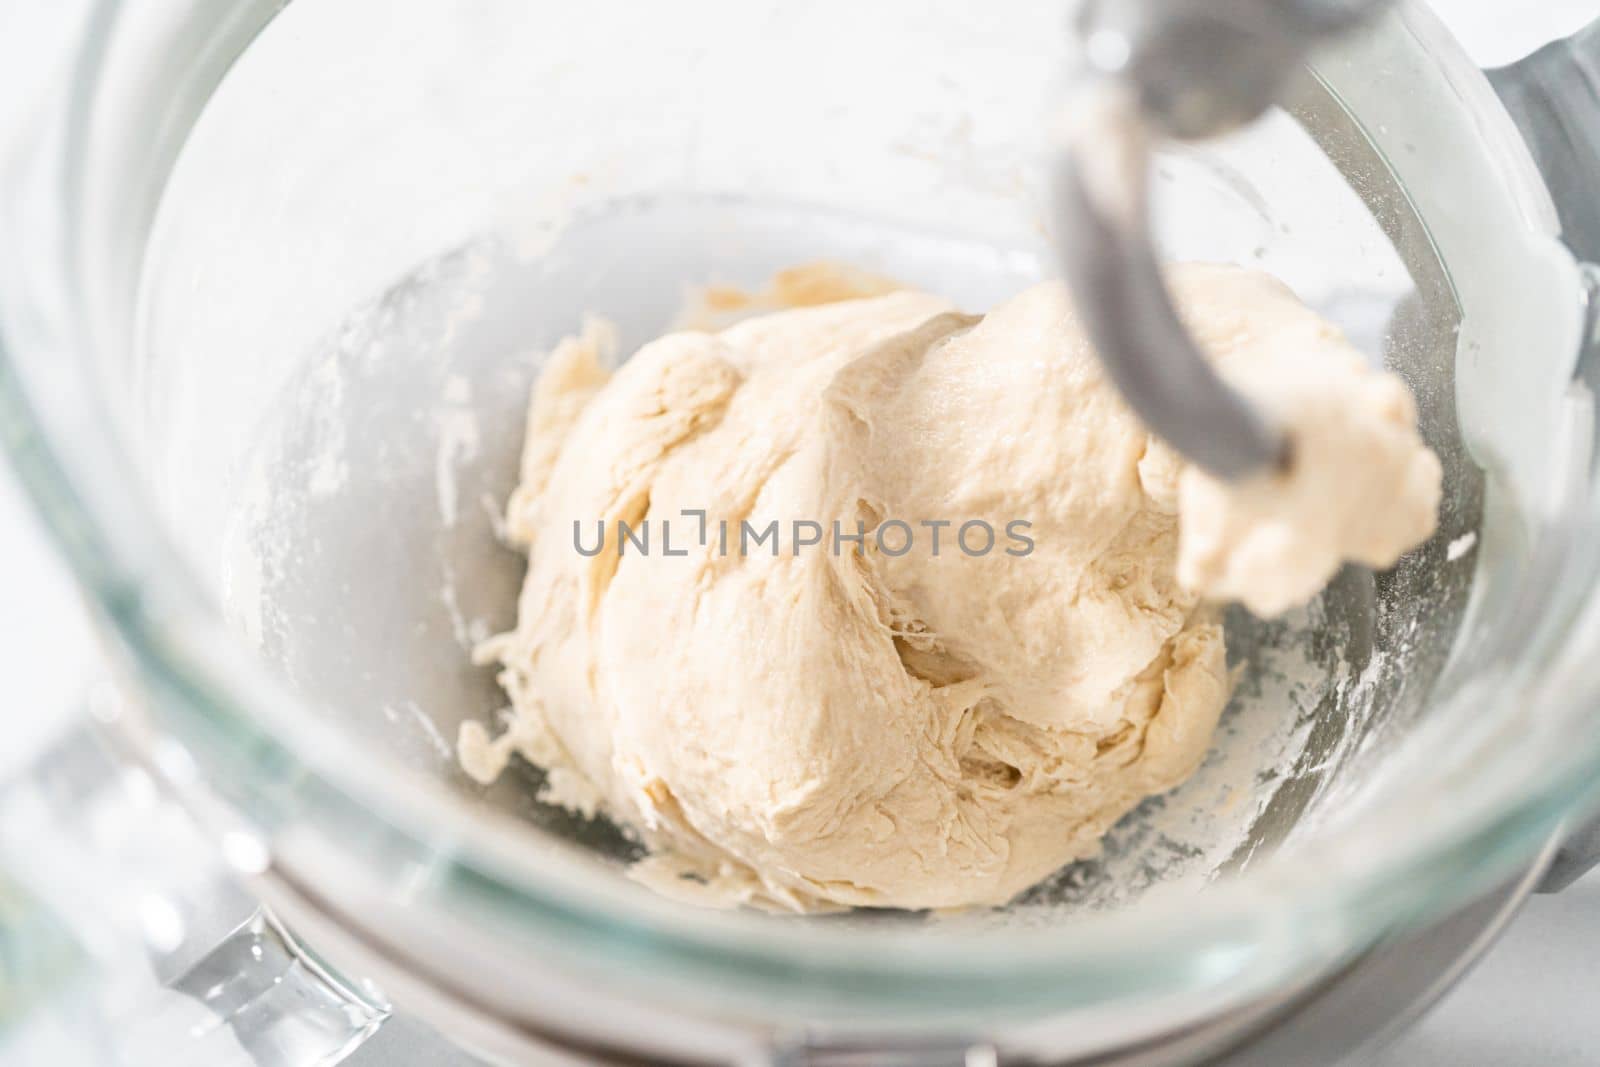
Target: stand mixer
{"points": [[267, 278]]}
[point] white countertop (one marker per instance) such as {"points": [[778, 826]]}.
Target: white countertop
{"points": [[1529, 1003]]}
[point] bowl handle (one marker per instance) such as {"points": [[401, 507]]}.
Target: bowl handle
{"points": [[1553, 96], [134, 938]]}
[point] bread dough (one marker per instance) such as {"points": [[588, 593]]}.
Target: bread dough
{"points": [[1360, 486], [811, 728]]}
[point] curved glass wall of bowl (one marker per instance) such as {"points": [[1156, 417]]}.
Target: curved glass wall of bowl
{"points": [[1553, 96]]}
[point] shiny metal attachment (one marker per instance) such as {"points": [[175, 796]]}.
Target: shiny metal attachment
{"points": [[1185, 69]]}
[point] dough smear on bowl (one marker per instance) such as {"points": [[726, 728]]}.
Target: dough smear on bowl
{"points": [[926, 717]]}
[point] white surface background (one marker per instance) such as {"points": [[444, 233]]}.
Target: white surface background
{"points": [[1531, 1002]]}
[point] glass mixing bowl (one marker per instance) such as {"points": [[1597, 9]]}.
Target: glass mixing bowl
{"points": [[274, 283]]}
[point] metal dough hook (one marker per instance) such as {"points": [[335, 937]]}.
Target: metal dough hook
{"points": [[1186, 69]]}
